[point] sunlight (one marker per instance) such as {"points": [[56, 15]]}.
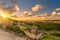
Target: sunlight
{"points": [[3, 14]]}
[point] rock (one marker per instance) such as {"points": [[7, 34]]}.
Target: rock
{"points": [[9, 36]]}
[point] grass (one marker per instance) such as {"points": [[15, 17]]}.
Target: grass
{"points": [[42, 26], [53, 36], [50, 38]]}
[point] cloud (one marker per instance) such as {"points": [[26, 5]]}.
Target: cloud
{"points": [[16, 8], [53, 13], [56, 12], [9, 2], [12, 1], [30, 13], [16, 11], [25, 13], [43, 15], [57, 9], [3, 4], [7, 6], [37, 7], [10, 6], [11, 9], [34, 9]]}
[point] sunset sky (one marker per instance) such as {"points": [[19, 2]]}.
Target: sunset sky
{"points": [[29, 5]]}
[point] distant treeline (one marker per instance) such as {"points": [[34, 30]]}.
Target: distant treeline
{"points": [[45, 25]]}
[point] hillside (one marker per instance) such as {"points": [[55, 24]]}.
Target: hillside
{"points": [[9, 36]]}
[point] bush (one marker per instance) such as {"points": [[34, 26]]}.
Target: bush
{"points": [[15, 29], [44, 25]]}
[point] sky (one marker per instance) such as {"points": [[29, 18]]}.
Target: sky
{"points": [[36, 6], [49, 5]]}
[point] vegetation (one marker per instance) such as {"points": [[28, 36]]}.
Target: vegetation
{"points": [[50, 30], [45, 25]]}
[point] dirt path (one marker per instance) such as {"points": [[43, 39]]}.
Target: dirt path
{"points": [[9, 36]]}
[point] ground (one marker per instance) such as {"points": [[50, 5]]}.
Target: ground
{"points": [[9, 36]]}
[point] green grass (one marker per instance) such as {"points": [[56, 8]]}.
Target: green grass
{"points": [[52, 36], [42, 26], [15, 29]]}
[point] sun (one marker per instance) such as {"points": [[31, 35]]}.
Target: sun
{"points": [[6, 15], [3, 14]]}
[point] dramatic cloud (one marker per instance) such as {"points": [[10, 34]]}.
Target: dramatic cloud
{"points": [[16, 11], [9, 5], [30, 14], [10, 9], [16, 8], [56, 12], [37, 7], [53, 13], [43, 15], [34, 9], [15, 14], [58, 9], [2, 4], [12, 1], [25, 13]]}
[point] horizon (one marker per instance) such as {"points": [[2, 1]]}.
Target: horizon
{"points": [[23, 9]]}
